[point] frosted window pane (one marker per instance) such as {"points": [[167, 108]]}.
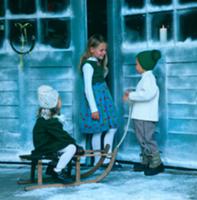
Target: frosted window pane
{"points": [[55, 32], [2, 32], [187, 1], [135, 28], [134, 3], [28, 30], [2, 12], [161, 2], [54, 5], [188, 28], [22, 6], [161, 19]]}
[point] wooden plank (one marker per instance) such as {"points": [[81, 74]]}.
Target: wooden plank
{"points": [[39, 172], [182, 96], [50, 73], [182, 82], [182, 54], [182, 110], [10, 131], [9, 98], [78, 177], [46, 58], [182, 69], [182, 125], [7, 74], [65, 85], [8, 85], [9, 111]]}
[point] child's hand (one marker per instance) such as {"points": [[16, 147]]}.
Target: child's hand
{"points": [[126, 96], [95, 115]]}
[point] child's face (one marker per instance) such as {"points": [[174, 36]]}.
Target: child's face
{"points": [[59, 104], [138, 67], [99, 51]]}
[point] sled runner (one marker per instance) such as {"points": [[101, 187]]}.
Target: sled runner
{"points": [[80, 176]]}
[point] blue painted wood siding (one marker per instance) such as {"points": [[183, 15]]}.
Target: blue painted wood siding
{"points": [[51, 66]]}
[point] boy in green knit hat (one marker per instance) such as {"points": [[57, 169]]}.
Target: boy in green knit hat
{"points": [[145, 101]]}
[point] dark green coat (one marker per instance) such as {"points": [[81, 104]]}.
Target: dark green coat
{"points": [[49, 137]]}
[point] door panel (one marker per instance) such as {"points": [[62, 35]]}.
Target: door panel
{"points": [[133, 29], [60, 32]]}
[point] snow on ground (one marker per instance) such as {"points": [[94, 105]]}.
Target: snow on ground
{"points": [[122, 184]]}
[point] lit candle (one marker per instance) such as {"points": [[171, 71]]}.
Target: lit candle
{"points": [[163, 34]]}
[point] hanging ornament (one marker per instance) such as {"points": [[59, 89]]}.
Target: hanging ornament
{"points": [[21, 41]]}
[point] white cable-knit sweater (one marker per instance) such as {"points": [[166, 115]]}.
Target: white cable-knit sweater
{"points": [[145, 99]]}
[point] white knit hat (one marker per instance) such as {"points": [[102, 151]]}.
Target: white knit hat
{"points": [[47, 97]]}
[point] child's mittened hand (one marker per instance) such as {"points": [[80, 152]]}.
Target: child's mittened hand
{"points": [[95, 115]]}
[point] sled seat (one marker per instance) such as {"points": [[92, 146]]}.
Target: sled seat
{"points": [[38, 161]]}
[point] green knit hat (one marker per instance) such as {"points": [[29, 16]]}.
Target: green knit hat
{"points": [[148, 59]]}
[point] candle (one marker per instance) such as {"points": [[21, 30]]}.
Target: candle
{"points": [[163, 34]]}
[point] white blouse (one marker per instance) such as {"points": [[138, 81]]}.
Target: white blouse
{"points": [[88, 71]]}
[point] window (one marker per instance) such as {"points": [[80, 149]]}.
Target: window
{"points": [[161, 2], [54, 6], [2, 10], [163, 19], [134, 28], [47, 21], [21, 34], [135, 3], [187, 1], [56, 33], [22, 6], [187, 26], [142, 23]]}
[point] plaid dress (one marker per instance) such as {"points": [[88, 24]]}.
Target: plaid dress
{"points": [[106, 109]]}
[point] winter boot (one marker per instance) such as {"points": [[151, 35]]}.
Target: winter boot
{"points": [[61, 176], [155, 167], [139, 167], [49, 170]]}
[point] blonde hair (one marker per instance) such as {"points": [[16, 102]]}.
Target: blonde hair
{"points": [[93, 42]]}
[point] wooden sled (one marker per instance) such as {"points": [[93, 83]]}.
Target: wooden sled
{"points": [[79, 175]]}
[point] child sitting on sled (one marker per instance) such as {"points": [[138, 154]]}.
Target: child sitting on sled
{"points": [[49, 138]]}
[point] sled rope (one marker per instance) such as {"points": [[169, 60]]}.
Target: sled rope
{"points": [[126, 128]]}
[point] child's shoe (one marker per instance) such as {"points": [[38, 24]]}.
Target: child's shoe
{"points": [[49, 170], [140, 167], [62, 177], [154, 171], [156, 166]]}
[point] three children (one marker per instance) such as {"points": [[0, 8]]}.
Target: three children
{"points": [[98, 113]]}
